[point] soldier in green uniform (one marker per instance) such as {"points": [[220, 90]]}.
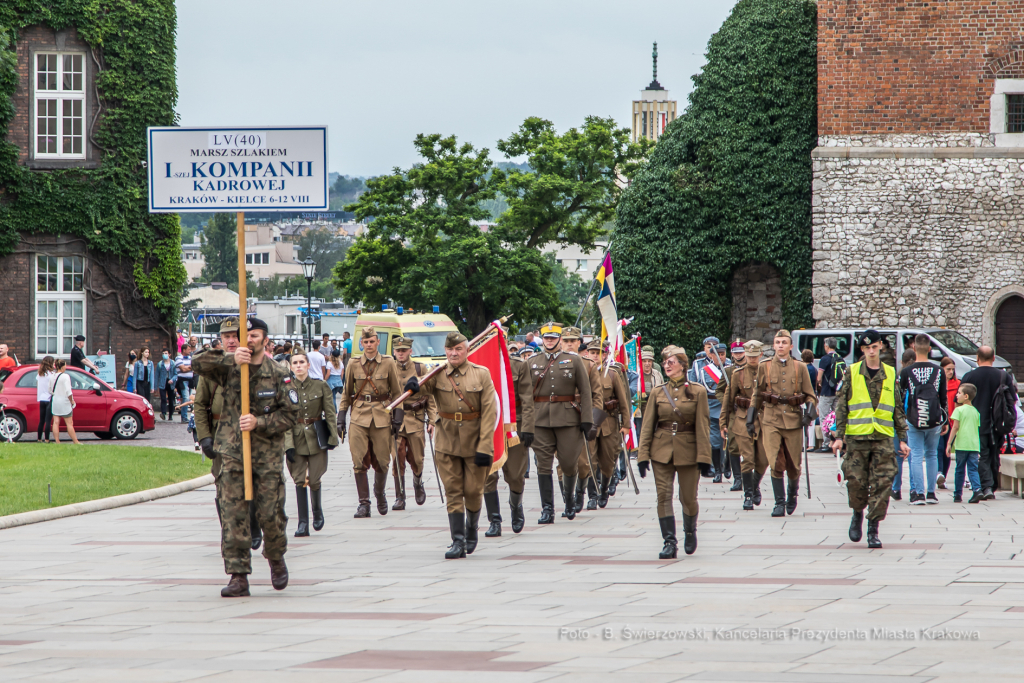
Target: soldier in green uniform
{"points": [[468, 406], [615, 426], [571, 339], [736, 404], [560, 419], [273, 408], [410, 443], [307, 461], [732, 451], [869, 412]]}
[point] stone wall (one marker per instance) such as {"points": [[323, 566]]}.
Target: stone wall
{"points": [[756, 302], [926, 233]]}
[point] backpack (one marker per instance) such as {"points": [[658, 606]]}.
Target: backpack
{"points": [[923, 409], [1004, 411], [838, 371]]}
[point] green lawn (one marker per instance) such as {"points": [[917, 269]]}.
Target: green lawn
{"points": [[80, 473]]}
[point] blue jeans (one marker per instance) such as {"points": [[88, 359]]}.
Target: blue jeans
{"points": [[967, 460], [924, 461], [897, 482]]}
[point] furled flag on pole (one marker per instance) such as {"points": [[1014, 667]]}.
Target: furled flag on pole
{"points": [[493, 355], [631, 353], [606, 299]]}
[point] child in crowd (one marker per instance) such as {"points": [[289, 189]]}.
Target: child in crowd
{"points": [[965, 440], [191, 428]]}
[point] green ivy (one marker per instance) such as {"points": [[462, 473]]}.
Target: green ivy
{"points": [[133, 43], [728, 184]]}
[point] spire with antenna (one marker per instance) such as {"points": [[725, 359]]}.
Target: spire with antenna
{"points": [[654, 84]]}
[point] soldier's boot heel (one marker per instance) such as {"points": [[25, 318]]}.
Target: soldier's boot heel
{"points": [[591, 494], [569, 486], [689, 534], [255, 533], [794, 491], [668, 534], [472, 524], [493, 514], [515, 501], [457, 524], [758, 476], [547, 499], [418, 490], [318, 509], [856, 526], [399, 491], [278, 574], [873, 540], [737, 480], [302, 499], [380, 480], [747, 479], [363, 491], [779, 488], [238, 587]]}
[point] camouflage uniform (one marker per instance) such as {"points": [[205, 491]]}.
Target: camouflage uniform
{"points": [[275, 406]]}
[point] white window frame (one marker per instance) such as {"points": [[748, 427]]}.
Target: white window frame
{"points": [[59, 296], [60, 96], [999, 109]]}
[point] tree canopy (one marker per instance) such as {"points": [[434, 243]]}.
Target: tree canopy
{"points": [[219, 250]]}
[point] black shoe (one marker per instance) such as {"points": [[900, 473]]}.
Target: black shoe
{"points": [[988, 495], [757, 487], [977, 497], [515, 501], [689, 533], [591, 494], [302, 499], [794, 494], [614, 483], [779, 488], [931, 499], [856, 526], [737, 484], [958, 499], [602, 497], [580, 502], [418, 491], [716, 460], [896, 495], [255, 533], [457, 524], [747, 480], [547, 499], [873, 540], [472, 522], [318, 509], [569, 486], [668, 533], [493, 506]]}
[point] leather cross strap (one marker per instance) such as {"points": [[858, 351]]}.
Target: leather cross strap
{"points": [[672, 401], [542, 375], [461, 398]]}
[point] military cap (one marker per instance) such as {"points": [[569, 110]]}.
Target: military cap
{"points": [[230, 325], [672, 350], [256, 324], [784, 333], [369, 332], [753, 347], [737, 346], [595, 345], [527, 351], [401, 343], [79, 337], [721, 347], [868, 337], [454, 339], [647, 353], [571, 333], [710, 340], [551, 329]]}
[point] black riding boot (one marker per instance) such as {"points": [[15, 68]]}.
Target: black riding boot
{"points": [[689, 533], [758, 476], [580, 489], [547, 499], [613, 485], [727, 464], [794, 490], [873, 540], [591, 494], [318, 509], [747, 479], [561, 487], [716, 459], [668, 533], [856, 525], [515, 501], [602, 499], [737, 483], [254, 527], [457, 524], [302, 498], [779, 488], [493, 514], [472, 522], [569, 486]]}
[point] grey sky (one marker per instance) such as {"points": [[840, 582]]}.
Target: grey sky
{"points": [[377, 73]]}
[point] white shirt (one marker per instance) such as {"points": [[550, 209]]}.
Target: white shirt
{"points": [[43, 386], [316, 365], [61, 403], [1020, 426]]}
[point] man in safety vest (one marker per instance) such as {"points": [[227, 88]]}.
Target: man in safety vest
{"points": [[869, 411]]}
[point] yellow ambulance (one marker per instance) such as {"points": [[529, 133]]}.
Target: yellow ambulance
{"points": [[427, 331]]}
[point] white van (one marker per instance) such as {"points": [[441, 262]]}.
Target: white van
{"points": [[949, 343]]}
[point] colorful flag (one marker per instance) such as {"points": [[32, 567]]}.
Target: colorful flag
{"points": [[631, 352], [713, 372], [606, 298], [493, 355]]}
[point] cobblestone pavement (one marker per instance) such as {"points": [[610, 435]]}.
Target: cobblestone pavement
{"points": [[133, 594]]}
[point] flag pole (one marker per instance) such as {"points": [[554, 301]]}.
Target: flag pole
{"points": [[243, 306]]}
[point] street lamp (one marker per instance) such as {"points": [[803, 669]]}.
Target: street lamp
{"points": [[309, 271]]}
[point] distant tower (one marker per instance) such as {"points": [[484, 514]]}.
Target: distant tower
{"points": [[654, 110]]}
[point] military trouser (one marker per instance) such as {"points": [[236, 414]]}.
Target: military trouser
{"points": [[463, 482], [268, 492], [583, 462], [412, 453], [608, 448], [370, 447], [751, 452], [514, 471], [783, 448], [311, 467], [566, 442], [869, 468], [664, 481]]}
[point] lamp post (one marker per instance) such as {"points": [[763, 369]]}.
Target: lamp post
{"points": [[309, 271]]}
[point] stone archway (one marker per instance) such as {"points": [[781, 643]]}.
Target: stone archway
{"points": [[756, 302], [1009, 324]]}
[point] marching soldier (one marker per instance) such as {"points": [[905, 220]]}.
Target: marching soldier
{"points": [[782, 391], [307, 460], [585, 478], [209, 404], [559, 423], [468, 406], [518, 458], [736, 405], [273, 410], [410, 443], [371, 381], [615, 426], [732, 452], [868, 413]]}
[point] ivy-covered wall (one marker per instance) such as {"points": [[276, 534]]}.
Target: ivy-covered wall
{"points": [[728, 184], [104, 205]]}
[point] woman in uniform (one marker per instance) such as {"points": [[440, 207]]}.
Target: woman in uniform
{"points": [[307, 461], [675, 441]]}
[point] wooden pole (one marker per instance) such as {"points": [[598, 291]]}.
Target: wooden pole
{"points": [[243, 307]]}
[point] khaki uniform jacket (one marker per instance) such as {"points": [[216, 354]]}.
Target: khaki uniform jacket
{"points": [[596, 385], [464, 438], [875, 391], [316, 402], [361, 376], [412, 423], [566, 376], [683, 447], [652, 380], [741, 383], [613, 387], [208, 407], [782, 379], [723, 387], [524, 396]]}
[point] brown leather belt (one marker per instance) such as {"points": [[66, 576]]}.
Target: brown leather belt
{"points": [[611, 406], [373, 398], [676, 427], [309, 420], [415, 406], [553, 399], [459, 417], [741, 402], [775, 399]]}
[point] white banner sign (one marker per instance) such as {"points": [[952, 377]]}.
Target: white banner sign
{"points": [[237, 169]]}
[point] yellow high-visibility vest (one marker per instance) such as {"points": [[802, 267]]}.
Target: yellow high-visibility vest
{"points": [[863, 420]]}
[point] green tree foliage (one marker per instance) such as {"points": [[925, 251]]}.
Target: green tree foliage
{"points": [[570, 287], [291, 286], [346, 190], [323, 245], [220, 251], [728, 184]]}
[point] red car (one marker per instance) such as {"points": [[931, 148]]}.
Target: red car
{"points": [[99, 408]]}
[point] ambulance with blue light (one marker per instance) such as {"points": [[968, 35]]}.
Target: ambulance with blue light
{"points": [[426, 330]]}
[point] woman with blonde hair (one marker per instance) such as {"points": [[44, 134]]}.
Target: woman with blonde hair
{"points": [[44, 397], [675, 442], [63, 402]]}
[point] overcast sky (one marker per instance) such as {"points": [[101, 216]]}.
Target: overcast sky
{"points": [[377, 73]]}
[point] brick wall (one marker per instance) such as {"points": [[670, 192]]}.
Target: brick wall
{"points": [[896, 66]]}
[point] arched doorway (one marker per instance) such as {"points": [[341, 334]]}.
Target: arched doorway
{"points": [[1010, 333], [756, 302]]}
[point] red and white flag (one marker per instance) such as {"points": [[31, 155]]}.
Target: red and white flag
{"points": [[493, 355], [713, 372]]}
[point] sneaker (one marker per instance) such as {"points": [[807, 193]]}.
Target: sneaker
{"points": [[977, 497], [941, 485], [940, 480], [896, 495], [958, 499], [987, 495], [931, 499], [916, 499]]}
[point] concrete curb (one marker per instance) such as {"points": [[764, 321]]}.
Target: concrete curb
{"points": [[88, 506]]}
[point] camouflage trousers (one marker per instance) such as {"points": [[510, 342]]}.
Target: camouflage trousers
{"points": [[869, 468], [268, 493]]}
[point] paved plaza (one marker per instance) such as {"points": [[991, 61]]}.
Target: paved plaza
{"points": [[133, 594]]}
